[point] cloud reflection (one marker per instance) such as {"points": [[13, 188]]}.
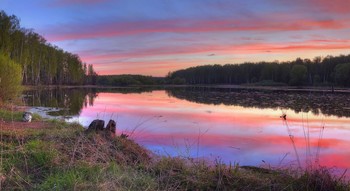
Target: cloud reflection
{"points": [[246, 135]]}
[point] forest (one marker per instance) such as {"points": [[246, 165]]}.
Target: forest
{"points": [[41, 62], [330, 70], [129, 80]]}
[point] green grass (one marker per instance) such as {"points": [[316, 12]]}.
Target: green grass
{"points": [[10, 116], [99, 177], [40, 154], [7, 115]]}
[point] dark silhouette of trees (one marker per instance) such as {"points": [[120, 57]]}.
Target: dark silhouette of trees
{"points": [[41, 62], [342, 74], [330, 70], [128, 80], [298, 75], [91, 75]]}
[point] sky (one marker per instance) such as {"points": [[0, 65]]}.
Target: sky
{"points": [[154, 37]]}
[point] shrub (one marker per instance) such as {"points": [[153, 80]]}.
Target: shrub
{"points": [[10, 79]]}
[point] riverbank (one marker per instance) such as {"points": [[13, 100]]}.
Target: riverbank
{"points": [[54, 155], [216, 86]]}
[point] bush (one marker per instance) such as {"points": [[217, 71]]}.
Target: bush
{"points": [[10, 79]]}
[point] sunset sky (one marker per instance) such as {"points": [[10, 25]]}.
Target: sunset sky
{"points": [[153, 37]]}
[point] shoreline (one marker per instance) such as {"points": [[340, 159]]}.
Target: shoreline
{"points": [[327, 89], [55, 150]]}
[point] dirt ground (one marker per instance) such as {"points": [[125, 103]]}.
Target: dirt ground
{"points": [[5, 125]]}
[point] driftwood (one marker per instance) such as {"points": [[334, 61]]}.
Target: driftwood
{"points": [[111, 126], [97, 125]]}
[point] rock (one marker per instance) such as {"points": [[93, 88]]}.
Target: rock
{"points": [[111, 126], [27, 117], [96, 125]]}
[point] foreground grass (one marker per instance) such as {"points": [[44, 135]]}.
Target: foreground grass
{"points": [[8, 115], [65, 157]]}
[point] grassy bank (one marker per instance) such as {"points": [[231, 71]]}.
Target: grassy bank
{"points": [[54, 155]]}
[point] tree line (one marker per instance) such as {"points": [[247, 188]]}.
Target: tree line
{"points": [[129, 80], [330, 70], [41, 62]]}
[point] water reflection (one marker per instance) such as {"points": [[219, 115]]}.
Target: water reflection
{"points": [[63, 101], [337, 104], [244, 127], [245, 135], [328, 103]]}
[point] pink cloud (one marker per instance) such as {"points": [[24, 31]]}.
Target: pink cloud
{"points": [[112, 29], [123, 62], [244, 48]]}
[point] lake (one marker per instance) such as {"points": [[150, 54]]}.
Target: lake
{"points": [[230, 125]]}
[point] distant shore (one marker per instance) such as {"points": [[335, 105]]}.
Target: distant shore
{"points": [[219, 86]]}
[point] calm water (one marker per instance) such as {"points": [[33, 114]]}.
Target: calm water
{"points": [[242, 126]]}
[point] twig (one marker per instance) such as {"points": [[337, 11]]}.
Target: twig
{"points": [[75, 149], [341, 177], [283, 159], [293, 143]]}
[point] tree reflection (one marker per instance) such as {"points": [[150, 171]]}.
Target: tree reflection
{"points": [[69, 101], [337, 104]]}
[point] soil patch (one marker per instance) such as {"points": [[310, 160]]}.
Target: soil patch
{"points": [[6, 125]]}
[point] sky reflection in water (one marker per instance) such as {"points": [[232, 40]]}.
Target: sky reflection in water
{"points": [[249, 136]]}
